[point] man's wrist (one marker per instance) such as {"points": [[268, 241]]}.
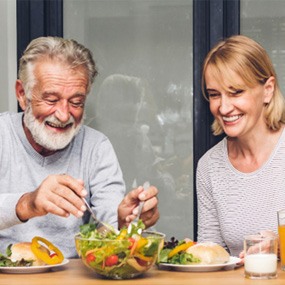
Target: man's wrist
{"points": [[21, 209]]}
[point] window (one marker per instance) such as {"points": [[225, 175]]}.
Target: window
{"points": [[264, 21], [159, 47], [8, 51], [142, 98]]}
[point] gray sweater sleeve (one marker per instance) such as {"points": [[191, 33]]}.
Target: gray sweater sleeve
{"points": [[8, 217], [8, 162]]}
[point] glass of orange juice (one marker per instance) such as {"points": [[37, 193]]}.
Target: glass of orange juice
{"points": [[281, 232]]}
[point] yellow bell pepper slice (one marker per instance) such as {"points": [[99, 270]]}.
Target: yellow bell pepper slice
{"points": [[122, 234], [95, 250], [141, 242], [143, 257], [179, 248], [44, 256], [138, 244]]}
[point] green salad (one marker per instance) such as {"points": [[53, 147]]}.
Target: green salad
{"points": [[119, 256], [175, 252]]}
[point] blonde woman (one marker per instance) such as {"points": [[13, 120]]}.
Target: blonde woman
{"points": [[241, 181]]}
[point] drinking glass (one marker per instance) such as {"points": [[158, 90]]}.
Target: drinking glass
{"points": [[281, 232], [260, 261]]}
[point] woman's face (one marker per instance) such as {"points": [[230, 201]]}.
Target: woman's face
{"points": [[239, 111]]}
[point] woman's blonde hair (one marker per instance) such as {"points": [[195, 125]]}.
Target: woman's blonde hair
{"points": [[242, 56]]}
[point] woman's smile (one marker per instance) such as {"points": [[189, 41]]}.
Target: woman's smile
{"points": [[231, 119]]}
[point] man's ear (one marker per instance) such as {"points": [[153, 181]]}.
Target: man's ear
{"points": [[20, 94], [269, 88]]}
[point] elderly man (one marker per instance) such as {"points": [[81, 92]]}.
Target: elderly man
{"points": [[50, 160]]}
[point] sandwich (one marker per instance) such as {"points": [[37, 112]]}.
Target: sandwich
{"points": [[23, 250], [39, 252], [209, 253]]}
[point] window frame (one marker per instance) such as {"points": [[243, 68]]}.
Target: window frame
{"points": [[36, 18], [213, 20]]}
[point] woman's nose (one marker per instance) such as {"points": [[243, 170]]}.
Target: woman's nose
{"points": [[225, 105]]}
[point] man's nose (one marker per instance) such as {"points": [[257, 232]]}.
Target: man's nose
{"points": [[62, 112]]}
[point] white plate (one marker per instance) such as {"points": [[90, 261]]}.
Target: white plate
{"points": [[32, 269], [231, 264]]}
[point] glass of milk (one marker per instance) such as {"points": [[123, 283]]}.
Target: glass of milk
{"points": [[260, 261]]}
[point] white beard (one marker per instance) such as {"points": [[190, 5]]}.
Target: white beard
{"points": [[47, 138]]}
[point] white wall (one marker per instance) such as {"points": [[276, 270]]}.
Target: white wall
{"points": [[8, 52]]}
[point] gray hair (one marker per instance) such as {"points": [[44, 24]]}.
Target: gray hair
{"points": [[67, 50]]}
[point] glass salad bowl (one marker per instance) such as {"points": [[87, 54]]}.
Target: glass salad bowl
{"points": [[125, 255]]}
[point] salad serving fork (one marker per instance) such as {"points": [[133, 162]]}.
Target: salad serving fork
{"points": [[102, 227], [146, 185]]}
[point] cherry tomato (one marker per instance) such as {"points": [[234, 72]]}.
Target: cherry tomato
{"points": [[131, 241], [112, 260], [90, 257]]}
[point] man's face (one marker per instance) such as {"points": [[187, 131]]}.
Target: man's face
{"points": [[54, 115]]}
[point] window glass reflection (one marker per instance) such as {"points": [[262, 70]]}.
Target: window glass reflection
{"points": [[264, 21], [142, 98]]}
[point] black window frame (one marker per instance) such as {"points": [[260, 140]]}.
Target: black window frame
{"points": [[36, 18], [213, 20]]}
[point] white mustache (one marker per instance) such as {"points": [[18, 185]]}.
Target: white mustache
{"points": [[54, 121]]}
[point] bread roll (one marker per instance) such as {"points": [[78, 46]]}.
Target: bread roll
{"points": [[24, 250], [209, 253]]}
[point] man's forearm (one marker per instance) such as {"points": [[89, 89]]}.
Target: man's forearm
{"points": [[23, 208]]}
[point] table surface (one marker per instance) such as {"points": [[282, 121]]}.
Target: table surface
{"points": [[76, 273]]}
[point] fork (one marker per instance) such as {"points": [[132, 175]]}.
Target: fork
{"points": [[102, 227], [146, 185]]}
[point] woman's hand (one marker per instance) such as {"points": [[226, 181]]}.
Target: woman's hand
{"points": [[264, 245]]}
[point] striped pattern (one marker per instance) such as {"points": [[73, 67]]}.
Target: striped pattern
{"points": [[232, 204]]}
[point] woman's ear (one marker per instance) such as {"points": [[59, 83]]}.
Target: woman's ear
{"points": [[269, 88], [20, 94]]}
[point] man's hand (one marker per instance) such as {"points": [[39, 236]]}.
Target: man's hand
{"points": [[58, 194], [128, 208]]}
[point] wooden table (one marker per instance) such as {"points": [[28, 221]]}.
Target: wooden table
{"points": [[76, 273]]}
